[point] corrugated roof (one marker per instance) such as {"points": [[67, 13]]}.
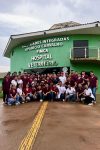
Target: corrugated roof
{"points": [[64, 25], [69, 24], [2, 75]]}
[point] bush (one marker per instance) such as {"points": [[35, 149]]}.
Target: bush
{"points": [[1, 95]]}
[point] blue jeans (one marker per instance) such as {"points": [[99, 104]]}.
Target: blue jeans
{"points": [[39, 95], [52, 96], [62, 96], [71, 97], [12, 101], [94, 91]]}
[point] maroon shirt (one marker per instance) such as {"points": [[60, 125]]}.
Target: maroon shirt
{"points": [[54, 89], [93, 81], [6, 84], [25, 82], [12, 92], [80, 90], [79, 80], [46, 90], [33, 91], [27, 91]]}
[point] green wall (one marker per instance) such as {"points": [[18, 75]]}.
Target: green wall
{"points": [[20, 58]]}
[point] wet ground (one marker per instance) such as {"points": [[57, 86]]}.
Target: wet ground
{"points": [[65, 126]]}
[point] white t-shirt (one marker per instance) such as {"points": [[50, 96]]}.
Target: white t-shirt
{"points": [[70, 91], [19, 91], [20, 81], [61, 89], [62, 79], [88, 92], [14, 82]]}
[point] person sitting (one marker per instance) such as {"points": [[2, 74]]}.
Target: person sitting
{"points": [[89, 97], [39, 93], [28, 93], [70, 93], [53, 92], [13, 97], [61, 91], [34, 93], [80, 93], [46, 92], [20, 94]]}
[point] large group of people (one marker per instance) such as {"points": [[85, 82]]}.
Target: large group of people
{"points": [[19, 88]]}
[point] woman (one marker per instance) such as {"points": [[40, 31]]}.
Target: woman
{"points": [[13, 97]]}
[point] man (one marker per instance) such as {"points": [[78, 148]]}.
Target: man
{"points": [[80, 92], [62, 78], [46, 92], [61, 91], [6, 87], [89, 97], [93, 80]]}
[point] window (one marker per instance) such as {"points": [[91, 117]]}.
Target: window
{"points": [[79, 47]]}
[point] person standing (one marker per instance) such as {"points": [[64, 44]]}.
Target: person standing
{"points": [[5, 87], [93, 80]]}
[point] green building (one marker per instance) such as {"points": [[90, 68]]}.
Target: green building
{"points": [[68, 45]]}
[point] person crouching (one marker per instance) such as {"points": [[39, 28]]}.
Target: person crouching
{"points": [[89, 97], [13, 97], [70, 93], [28, 93], [20, 94]]}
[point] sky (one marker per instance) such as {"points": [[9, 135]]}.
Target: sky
{"points": [[22, 16]]}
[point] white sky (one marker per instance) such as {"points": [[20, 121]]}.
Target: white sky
{"points": [[23, 16]]}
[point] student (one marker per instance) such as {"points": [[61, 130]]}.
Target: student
{"points": [[80, 92], [53, 92], [20, 93], [28, 93], [6, 87], [62, 78], [13, 97], [34, 93], [61, 91], [93, 84], [39, 93], [19, 80], [46, 92], [14, 81], [89, 97], [71, 93]]}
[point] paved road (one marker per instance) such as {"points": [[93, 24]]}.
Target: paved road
{"points": [[15, 121], [64, 127], [69, 127]]}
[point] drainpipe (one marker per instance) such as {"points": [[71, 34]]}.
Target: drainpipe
{"points": [[70, 53], [85, 52], [98, 53]]}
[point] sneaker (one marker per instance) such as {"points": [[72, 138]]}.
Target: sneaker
{"points": [[17, 103], [82, 99], [90, 104], [63, 100], [9, 104], [94, 102], [41, 100]]}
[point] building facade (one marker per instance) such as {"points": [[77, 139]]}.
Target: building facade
{"points": [[71, 47]]}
